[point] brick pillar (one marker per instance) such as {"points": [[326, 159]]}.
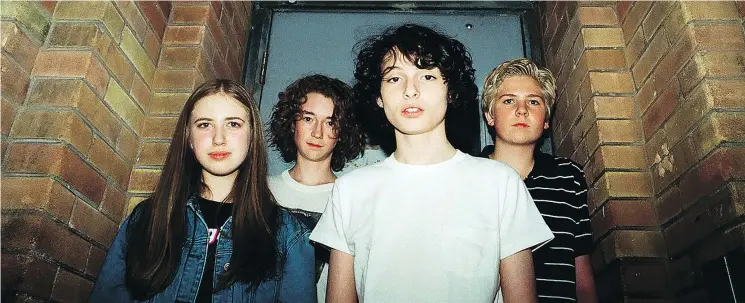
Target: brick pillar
{"points": [[651, 103], [76, 83], [201, 41]]}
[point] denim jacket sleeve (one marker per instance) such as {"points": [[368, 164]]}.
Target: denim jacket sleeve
{"points": [[299, 273], [109, 286]]}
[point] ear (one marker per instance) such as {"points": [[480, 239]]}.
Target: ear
{"points": [[545, 125], [489, 119], [380, 102]]}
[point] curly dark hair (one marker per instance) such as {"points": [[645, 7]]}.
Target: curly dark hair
{"points": [[350, 140], [425, 48]]}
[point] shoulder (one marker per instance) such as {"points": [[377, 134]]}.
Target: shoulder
{"points": [[486, 167], [562, 164], [364, 175], [291, 229]]}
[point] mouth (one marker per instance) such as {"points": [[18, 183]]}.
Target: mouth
{"points": [[219, 155], [314, 145], [523, 125], [412, 112]]}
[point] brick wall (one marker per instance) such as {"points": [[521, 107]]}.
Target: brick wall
{"points": [[651, 103], [90, 91]]}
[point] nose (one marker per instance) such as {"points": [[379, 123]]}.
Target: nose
{"points": [[219, 137], [317, 130], [411, 90], [522, 108]]}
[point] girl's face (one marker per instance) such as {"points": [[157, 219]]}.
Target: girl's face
{"points": [[219, 134]]}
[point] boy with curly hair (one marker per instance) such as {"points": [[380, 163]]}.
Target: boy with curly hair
{"points": [[516, 101], [429, 223], [313, 125]]}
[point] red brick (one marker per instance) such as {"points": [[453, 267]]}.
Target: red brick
{"points": [[611, 82], [76, 63], [35, 158], [706, 216], [741, 8], [648, 278], [622, 8], [153, 153], [20, 231], [175, 80], [634, 17], [140, 92], [95, 261], [622, 213], [37, 280], [180, 57], [128, 144], [134, 18], [13, 91], [594, 15], [673, 61], [613, 107], [152, 46], [718, 36], [654, 19], [165, 7], [8, 113], [75, 93], [646, 63], [71, 287], [658, 112], [180, 35], [710, 10], [724, 164], [37, 193], [159, 127], [56, 159], [213, 25], [82, 177], [49, 6], [93, 224], [60, 244], [18, 45], [633, 243], [45, 124], [104, 158], [143, 180], [154, 15], [114, 203], [190, 14]]}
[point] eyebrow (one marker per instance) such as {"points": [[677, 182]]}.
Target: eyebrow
{"points": [[307, 112], [513, 95], [210, 119]]}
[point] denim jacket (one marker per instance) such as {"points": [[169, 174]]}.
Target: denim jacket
{"points": [[295, 284]]}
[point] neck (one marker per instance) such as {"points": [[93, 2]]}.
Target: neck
{"points": [[312, 173], [519, 157], [422, 149], [219, 186]]}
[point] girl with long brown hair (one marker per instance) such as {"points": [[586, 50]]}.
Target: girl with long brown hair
{"points": [[212, 230]]}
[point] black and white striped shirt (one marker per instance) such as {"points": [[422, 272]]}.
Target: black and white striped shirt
{"points": [[559, 190]]}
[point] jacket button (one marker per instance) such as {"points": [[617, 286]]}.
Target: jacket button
{"points": [[225, 267]]}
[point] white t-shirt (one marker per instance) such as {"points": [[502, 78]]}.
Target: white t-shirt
{"points": [[313, 198], [430, 233]]}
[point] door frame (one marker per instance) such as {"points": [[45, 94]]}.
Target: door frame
{"points": [[262, 12]]}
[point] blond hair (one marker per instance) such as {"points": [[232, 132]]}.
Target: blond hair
{"points": [[519, 67]]}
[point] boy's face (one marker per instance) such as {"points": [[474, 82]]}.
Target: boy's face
{"points": [[315, 136], [518, 113], [414, 100]]}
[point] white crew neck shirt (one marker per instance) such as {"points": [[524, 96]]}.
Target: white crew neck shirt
{"points": [[430, 233]]}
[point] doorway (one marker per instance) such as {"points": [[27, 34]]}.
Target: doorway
{"points": [[291, 40]]}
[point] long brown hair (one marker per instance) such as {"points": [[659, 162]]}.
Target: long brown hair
{"points": [[157, 232]]}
